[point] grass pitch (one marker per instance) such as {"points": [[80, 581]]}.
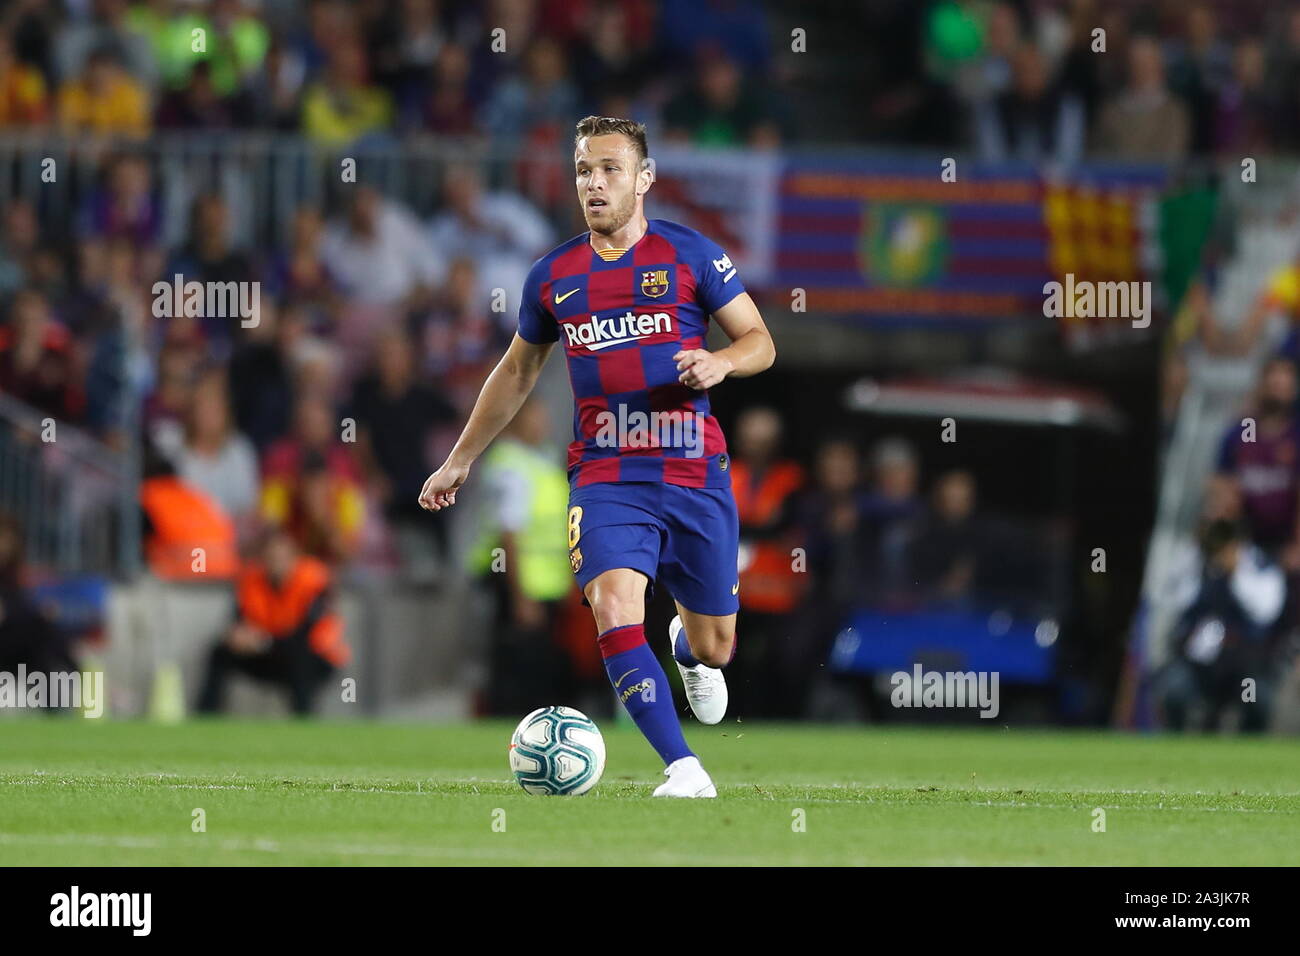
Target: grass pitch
{"points": [[81, 792]]}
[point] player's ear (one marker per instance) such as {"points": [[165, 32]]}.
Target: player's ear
{"points": [[646, 176]]}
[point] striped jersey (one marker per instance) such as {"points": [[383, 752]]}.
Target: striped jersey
{"points": [[621, 315]]}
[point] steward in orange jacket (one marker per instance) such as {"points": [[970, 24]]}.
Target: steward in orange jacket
{"points": [[187, 537], [769, 582], [286, 629]]}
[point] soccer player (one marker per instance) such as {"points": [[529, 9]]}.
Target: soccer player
{"points": [[650, 491]]}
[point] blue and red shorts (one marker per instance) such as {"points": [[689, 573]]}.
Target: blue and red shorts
{"points": [[687, 538]]}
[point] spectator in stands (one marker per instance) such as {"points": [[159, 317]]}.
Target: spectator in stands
{"points": [[187, 536], [1200, 68], [215, 458], [491, 61], [328, 23], [396, 416], [737, 29], [460, 339], [275, 91], [236, 47], [988, 75], [312, 485], [168, 30], [1223, 636], [522, 558], [486, 224], [32, 25], [890, 509], [948, 545], [838, 540], [766, 485], [36, 359], [209, 256], [24, 100], [719, 108], [261, 374], [299, 273], [316, 428], [1145, 121], [324, 511], [199, 106], [20, 234], [610, 62], [1082, 72], [1244, 108], [1035, 120], [286, 631], [379, 254], [106, 31], [113, 309], [343, 106], [448, 108], [104, 99], [168, 402], [407, 39], [126, 205], [1260, 457], [500, 231], [543, 95]]}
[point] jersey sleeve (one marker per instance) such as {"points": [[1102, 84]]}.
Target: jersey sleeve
{"points": [[717, 281], [536, 323]]}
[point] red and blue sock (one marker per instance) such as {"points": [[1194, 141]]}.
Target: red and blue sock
{"points": [[643, 687]]}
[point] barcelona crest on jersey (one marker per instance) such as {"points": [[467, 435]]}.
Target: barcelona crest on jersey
{"points": [[654, 282]]}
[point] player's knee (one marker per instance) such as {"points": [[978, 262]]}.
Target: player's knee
{"points": [[613, 609], [716, 653]]}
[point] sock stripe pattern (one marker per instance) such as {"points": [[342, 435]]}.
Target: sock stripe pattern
{"points": [[642, 686]]}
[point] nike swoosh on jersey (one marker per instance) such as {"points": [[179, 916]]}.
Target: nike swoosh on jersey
{"points": [[560, 298], [736, 588], [620, 680]]}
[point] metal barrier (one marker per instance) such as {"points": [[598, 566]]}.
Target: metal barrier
{"points": [[76, 497], [267, 177]]}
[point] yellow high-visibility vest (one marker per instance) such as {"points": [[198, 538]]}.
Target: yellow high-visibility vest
{"points": [[543, 540]]}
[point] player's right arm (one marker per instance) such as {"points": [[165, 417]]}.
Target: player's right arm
{"points": [[501, 397]]}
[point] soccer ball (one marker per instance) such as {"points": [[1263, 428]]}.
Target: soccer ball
{"points": [[557, 750]]}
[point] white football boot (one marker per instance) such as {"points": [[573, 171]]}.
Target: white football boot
{"points": [[706, 688], [686, 778]]}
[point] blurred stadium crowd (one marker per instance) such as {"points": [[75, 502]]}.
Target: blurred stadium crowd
{"points": [[1029, 79], [375, 316], [1052, 81], [338, 71]]}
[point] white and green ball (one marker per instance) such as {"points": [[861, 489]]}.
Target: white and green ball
{"points": [[557, 750]]}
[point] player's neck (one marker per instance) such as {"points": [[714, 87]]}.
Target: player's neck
{"points": [[624, 238]]}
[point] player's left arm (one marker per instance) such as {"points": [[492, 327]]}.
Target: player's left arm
{"points": [[751, 350]]}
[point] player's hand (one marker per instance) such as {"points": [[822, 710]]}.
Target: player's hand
{"points": [[701, 368], [440, 488]]}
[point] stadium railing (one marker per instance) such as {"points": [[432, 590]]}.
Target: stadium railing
{"points": [[75, 496]]}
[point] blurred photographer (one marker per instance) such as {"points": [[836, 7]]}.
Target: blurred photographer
{"points": [[1224, 635]]}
